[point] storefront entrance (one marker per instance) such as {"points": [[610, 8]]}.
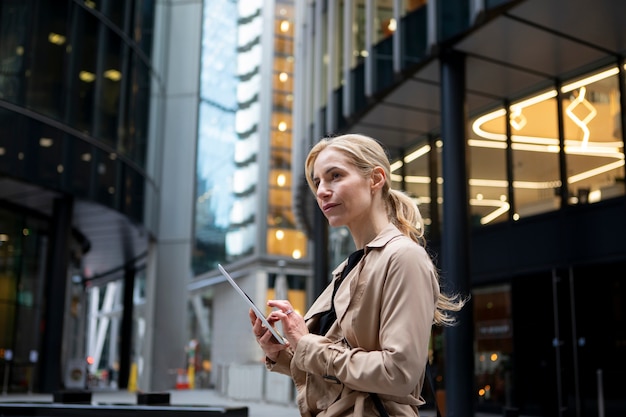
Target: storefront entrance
{"points": [[569, 338]]}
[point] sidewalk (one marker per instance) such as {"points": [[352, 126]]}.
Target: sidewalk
{"points": [[195, 397], [192, 397]]}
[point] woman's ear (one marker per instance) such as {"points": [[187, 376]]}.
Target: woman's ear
{"points": [[378, 178]]}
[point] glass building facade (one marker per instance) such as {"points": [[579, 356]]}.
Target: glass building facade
{"points": [[540, 180], [75, 83]]}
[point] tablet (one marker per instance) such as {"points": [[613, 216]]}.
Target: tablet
{"points": [[253, 306]]}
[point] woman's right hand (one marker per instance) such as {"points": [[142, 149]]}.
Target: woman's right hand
{"points": [[265, 338]]}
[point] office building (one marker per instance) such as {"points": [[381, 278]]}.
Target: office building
{"points": [[142, 143], [503, 119]]}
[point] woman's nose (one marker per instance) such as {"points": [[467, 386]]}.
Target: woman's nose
{"points": [[322, 190]]}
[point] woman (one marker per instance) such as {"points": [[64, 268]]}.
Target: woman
{"points": [[365, 339]]}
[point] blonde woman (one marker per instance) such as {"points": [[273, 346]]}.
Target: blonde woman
{"points": [[361, 349]]}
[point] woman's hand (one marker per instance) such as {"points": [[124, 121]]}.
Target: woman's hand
{"points": [[265, 338], [294, 326]]}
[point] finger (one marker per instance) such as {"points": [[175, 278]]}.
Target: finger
{"points": [[280, 304]]}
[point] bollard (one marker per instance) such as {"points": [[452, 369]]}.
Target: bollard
{"points": [[600, 394], [511, 412], [153, 398], [72, 397]]}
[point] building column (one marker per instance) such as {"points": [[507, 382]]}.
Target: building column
{"points": [[459, 355], [173, 161], [55, 293]]}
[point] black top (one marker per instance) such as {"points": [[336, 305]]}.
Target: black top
{"points": [[327, 318]]}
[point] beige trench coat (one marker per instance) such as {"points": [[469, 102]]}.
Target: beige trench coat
{"points": [[385, 310]]}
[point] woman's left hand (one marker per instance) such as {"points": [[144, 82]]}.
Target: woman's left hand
{"points": [[294, 326]]}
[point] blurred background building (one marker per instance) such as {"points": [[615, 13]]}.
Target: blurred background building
{"points": [[143, 142]]}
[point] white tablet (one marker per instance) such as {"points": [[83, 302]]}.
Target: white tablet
{"points": [[253, 306]]}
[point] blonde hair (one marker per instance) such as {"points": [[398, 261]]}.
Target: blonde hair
{"points": [[367, 153]]}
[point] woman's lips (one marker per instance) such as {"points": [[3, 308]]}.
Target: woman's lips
{"points": [[328, 206]]}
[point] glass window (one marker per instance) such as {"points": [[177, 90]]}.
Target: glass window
{"points": [[416, 170], [494, 344], [282, 238], [13, 38], [417, 166], [47, 54], [535, 149], [535, 145], [488, 185], [217, 138], [593, 137]]}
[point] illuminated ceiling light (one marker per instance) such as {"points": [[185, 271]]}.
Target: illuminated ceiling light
{"points": [[56, 39], [419, 152], [112, 156], [284, 26], [501, 208], [477, 143], [90, 4], [607, 152], [86, 76], [296, 254], [596, 171], [281, 180], [517, 119], [534, 185], [487, 183], [477, 125], [86, 157], [113, 75], [589, 80], [533, 100], [60, 169], [396, 165], [393, 25], [4, 237], [282, 126], [582, 123], [414, 179], [283, 77], [280, 235], [528, 147], [45, 142], [2, 151], [364, 53], [410, 157]]}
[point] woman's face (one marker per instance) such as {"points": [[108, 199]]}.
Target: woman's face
{"points": [[343, 195]]}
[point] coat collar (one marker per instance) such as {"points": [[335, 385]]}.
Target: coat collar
{"points": [[342, 298]]}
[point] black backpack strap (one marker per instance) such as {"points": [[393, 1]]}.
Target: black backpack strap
{"points": [[431, 384], [429, 381], [379, 405]]}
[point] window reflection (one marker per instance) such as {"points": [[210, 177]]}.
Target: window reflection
{"points": [[594, 157], [593, 138], [282, 236]]}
